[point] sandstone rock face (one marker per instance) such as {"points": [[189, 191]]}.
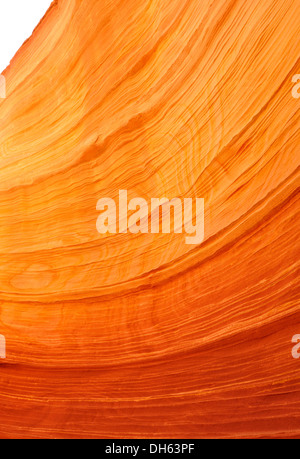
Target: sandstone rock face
{"points": [[142, 335]]}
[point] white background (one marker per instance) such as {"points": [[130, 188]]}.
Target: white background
{"points": [[18, 19]]}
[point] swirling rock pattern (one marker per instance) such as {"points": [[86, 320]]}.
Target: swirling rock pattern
{"points": [[128, 336]]}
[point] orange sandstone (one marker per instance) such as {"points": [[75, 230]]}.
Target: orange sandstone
{"points": [[142, 335]]}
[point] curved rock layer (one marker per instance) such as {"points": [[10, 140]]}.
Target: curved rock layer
{"points": [[142, 335]]}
